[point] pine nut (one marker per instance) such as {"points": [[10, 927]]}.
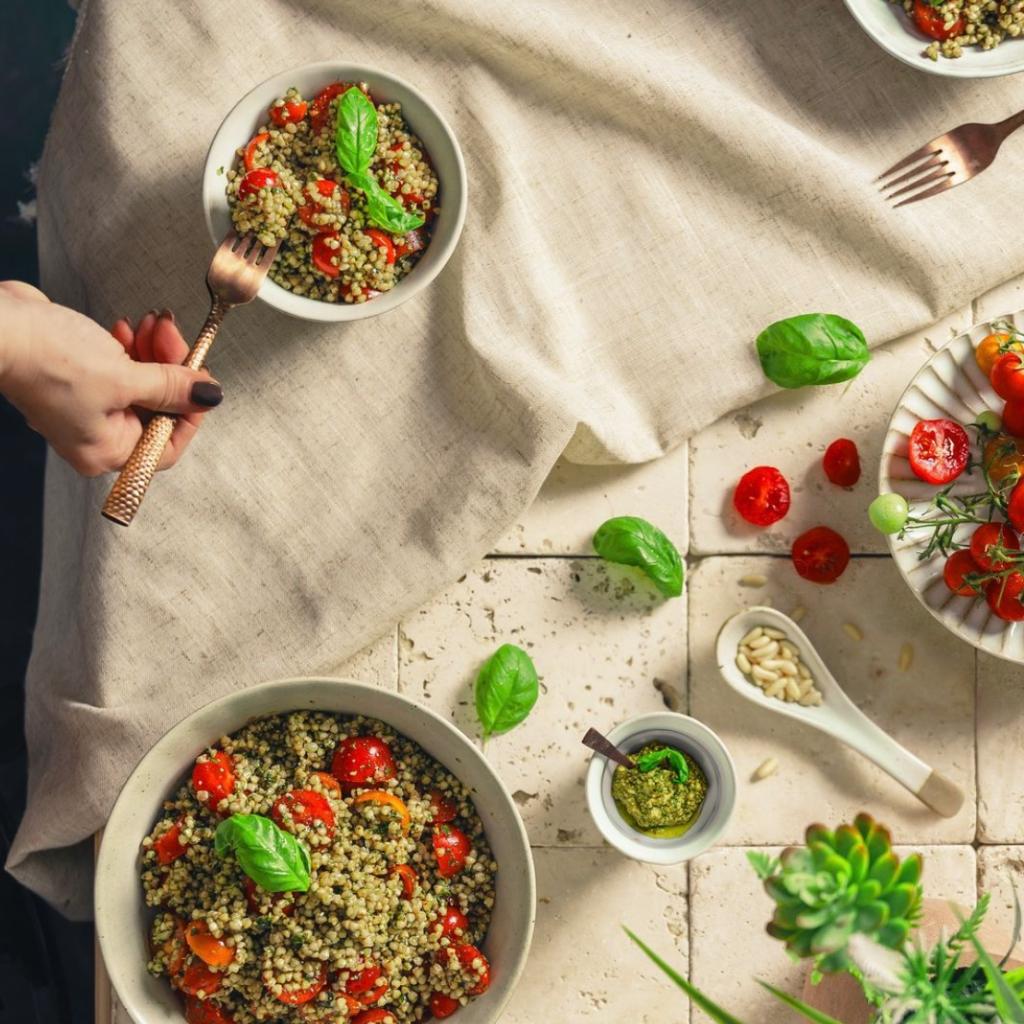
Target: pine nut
{"points": [[852, 631], [798, 613], [775, 634], [764, 674], [792, 690], [770, 649], [776, 690], [772, 662], [751, 636], [766, 768], [906, 657], [743, 663], [759, 641], [753, 579]]}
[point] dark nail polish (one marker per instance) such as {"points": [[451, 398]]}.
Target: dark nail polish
{"points": [[152, 313], [128, 320], [207, 393], [166, 314]]}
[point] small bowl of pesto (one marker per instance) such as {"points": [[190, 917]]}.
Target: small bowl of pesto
{"points": [[676, 800]]}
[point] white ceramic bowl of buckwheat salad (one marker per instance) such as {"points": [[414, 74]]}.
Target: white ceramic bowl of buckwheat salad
{"points": [[349, 248], [314, 851]]}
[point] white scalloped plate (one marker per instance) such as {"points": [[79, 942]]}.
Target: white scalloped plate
{"points": [[950, 386]]}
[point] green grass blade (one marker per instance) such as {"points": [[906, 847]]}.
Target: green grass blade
{"points": [[801, 1007], [697, 997], [1011, 1009]]}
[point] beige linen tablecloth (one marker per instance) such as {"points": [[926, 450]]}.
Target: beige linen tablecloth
{"points": [[649, 186]]}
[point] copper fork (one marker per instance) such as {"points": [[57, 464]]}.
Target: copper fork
{"points": [[947, 161], [236, 272]]}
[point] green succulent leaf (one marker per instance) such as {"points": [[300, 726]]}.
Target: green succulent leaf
{"points": [[764, 864]]}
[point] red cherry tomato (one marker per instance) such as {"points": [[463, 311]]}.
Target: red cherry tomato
{"points": [[321, 254], [379, 1016], [442, 1006], [414, 242], [291, 112], [303, 807], [329, 782], [1005, 597], [820, 555], [367, 985], [454, 923], [261, 177], [762, 496], [202, 1011], [254, 144], [1015, 506], [254, 898], [299, 996], [409, 878], [955, 571], [212, 951], [842, 462], [362, 761], [451, 848], [320, 108], [931, 22], [1013, 418], [938, 450], [199, 978], [215, 776], [411, 198], [168, 846], [382, 241], [442, 810], [1008, 377], [988, 537], [467, 955]]}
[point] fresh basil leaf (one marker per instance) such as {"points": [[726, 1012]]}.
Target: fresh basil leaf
{"points": [[506, 689], [274, 859], [383, 208], [652, 759], [629, 540], [814, 348], [355, 135]]}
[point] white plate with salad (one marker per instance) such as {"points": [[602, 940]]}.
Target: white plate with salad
{"points": [[951, 486]]}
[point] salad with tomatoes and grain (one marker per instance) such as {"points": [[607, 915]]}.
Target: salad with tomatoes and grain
{"points": [[955, 24], [346, 188], [318, 868]]}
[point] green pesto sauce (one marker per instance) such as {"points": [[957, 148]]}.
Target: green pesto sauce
{"points": [[655, 803]]}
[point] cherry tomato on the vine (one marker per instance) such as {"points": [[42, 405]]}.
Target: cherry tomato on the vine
{"points": [[958, 566]]}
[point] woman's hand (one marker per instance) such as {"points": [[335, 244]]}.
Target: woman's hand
{"points": [[83, 389]]}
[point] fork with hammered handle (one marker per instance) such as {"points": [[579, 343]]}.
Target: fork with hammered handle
{"points": [[236, 272]]}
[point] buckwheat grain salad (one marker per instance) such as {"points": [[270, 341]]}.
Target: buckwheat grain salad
{"points": [[339, 242], [954, 24], [316, 869]]}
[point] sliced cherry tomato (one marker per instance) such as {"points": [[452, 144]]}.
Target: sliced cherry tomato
{"points": [[1008, 377], [1013, 418], [322, 254], [362, 760], [820, 555], [408, 877], [442, 1006], [382, 241], [303, 807], [931, 22], [473, 965], [386, 799], [1004, 458], [451, 848], [215, 776], [411, 198], [454, 923], [1005, 597], [991, 347], [367, 986], [992, 536], [329, 782], [320, 108], [212, 951], [203, 1011], [290, 112], [175, 951], [414, 242], [299, 996], [168, 845], [261, 177], [938, 450], [442, 810], [842, 462], [254, 896], [250, 150], [762, 496], [199, 978], [958, 566], [380, 1016]]}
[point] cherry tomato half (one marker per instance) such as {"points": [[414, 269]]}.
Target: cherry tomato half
{"points": [[958, 566], [320, 107], [261, 177], [820, 555], [168, 846], [382, 241], [367, 985], [379, 1016], [931, 22], [290, 112], [842, 462], [329, 782], [202, 1011], [454, 923], [322, 254], [1006, 597], [302, 807], [442, 1006], [442, 810], [299, 996], [989, 537], [254, 897], [408, 877], [938, 450], [249, 157], [762, 496], [212, 951], [414, 242], [1008, 377], [199, 978], [475, 967], [451, 848], [215, 776], [362, 760]]}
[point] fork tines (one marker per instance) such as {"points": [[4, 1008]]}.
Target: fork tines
{"points": [[929, 158]]}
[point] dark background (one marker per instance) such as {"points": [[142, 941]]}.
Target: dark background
{"points": [[45, 963]]}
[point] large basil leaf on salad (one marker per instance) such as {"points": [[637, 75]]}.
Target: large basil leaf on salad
{"points": [[506, 689], [630, 540], [274, 859], [355, 136], [384, 209], [814, 348]]}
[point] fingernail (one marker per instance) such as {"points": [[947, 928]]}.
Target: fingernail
{"points": [[207, 393], [152, 313], [128, 320], [166, 314]]}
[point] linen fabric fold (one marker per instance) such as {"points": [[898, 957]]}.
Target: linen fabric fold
{"points": [[649, 187]]}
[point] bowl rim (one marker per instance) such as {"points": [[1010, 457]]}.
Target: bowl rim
{"points": [[687, 846], [300, 306], [121, 816]]}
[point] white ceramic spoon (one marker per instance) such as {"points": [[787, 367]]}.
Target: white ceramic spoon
{"points": [[837, 715]]}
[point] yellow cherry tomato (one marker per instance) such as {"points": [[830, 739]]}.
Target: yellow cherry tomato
{"points": [[1004, 455], [990, 348]]}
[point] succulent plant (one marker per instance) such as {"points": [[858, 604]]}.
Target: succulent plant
{"points": [[843, 882]]}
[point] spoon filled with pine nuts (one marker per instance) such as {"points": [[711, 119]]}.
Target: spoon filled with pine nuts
{"points": [[768, 659]]}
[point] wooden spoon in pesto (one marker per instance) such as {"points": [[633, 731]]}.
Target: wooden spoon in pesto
{"points": [[602, 745]]}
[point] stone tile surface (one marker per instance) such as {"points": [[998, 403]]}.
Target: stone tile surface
{"points": [[791, 430], [600, 637], [929, 707], [575, 500], [1000, 871], [376, 664], [730, 948], [582, 967], [1000, 751]]}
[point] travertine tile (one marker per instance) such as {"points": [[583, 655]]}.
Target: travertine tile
{"points": [[791, 431], [600, 637], [1005, 298], [929, 708], [582, 966], [376, 664], [1000, 751], [576, 500], [1000, 872], [730, 948]]}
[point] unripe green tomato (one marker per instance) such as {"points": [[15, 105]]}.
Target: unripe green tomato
{"points": [[888, 513]]}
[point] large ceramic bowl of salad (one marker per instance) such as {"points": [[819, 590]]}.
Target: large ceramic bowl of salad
{"points": [[314, 852], [353, 173]]}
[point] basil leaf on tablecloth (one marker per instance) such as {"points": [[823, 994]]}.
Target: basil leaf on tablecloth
{"points": [[274, 859], [652, 759], [355, 136], [629, 540], [384, 209], [814, 348], [506, 689]]}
